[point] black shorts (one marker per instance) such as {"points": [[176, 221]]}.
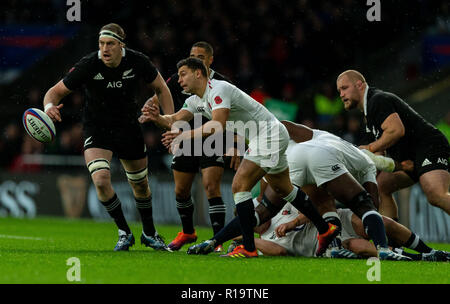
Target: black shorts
{"points": [[127, 142], [431, 156], [193, 163]]}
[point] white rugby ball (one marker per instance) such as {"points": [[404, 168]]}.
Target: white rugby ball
{"points": [[38, 125]]}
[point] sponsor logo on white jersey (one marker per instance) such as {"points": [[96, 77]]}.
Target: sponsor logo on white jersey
{"points": [[426, 162], [98, 77]]}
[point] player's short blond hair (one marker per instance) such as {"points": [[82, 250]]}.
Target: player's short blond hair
{"points": [[353, 75]]}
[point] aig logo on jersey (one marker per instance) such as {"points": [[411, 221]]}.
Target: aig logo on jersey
{"points": [[442, 161], [114, 84]]}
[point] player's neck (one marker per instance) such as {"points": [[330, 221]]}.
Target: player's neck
{"points": [[361, 98], [201, 89]]}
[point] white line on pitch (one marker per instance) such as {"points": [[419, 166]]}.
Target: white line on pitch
{"points": [[20, 237]]}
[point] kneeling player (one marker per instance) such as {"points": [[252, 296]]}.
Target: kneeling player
{"points": [[328, 168]]}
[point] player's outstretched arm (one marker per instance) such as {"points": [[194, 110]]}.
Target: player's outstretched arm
{"points": [[52, 99], [163, 94]]}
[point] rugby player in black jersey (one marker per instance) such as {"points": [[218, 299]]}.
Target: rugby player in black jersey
{"points": [[110, 78], [185, 167], [404, 135]]}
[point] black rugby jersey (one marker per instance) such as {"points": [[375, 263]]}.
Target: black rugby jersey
{"points": [[110, 93], [418, 131]]}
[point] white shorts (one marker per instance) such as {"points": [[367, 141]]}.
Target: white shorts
{"points": [[268, 149], [320, 160]]}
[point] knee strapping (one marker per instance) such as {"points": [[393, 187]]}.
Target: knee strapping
{"points": [[361, 204], [137, 176], [97, 165]]}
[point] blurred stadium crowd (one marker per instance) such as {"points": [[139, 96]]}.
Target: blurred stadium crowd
{"points": [[286, 50]]}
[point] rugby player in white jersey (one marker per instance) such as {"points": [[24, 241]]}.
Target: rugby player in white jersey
{"points": [[228, 107], [290, 233], [328, 168]]}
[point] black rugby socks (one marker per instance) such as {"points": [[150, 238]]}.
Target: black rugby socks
{"points": [[114, 209]]}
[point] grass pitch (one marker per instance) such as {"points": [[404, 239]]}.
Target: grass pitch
{"points": [[37, 250]]}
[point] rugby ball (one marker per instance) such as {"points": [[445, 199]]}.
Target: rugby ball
{"points": [[38, 125]]}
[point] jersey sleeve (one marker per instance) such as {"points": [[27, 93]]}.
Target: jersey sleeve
{"points": [[189, 105], [148, 69], [78, 74], [382, 106], [221, 96]]}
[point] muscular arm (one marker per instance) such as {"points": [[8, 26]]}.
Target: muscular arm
{"points": [[163, 94], [54, 96], [297, 132], [393, 130], [216, 124], [289, 226]]}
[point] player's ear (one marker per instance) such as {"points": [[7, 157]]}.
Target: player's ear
{"points": [[358, 84]]}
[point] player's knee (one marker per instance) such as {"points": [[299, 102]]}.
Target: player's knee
{"points": [[102, 181], [212, 188], [361, 204], [236, 187], [435, 199], [141, 189], [182, 192], [385, 187]]}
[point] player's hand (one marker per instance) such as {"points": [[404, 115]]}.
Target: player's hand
{"points": [[235, 158], [150, 112], [283, 229], [53, 112], [407, 165], [170, 142], [365, 147]]}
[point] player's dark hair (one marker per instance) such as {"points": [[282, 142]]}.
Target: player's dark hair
{"points": [[115, 28], [206, 46], [193, 64]]}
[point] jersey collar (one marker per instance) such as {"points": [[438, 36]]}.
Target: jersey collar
{"points": [[365, 99], [211, 73]]}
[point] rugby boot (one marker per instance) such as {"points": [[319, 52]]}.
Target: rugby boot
{"points": [[182, 239]]}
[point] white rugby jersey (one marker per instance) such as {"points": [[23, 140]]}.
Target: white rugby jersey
{"points": [[285, 215], [243, 108]]}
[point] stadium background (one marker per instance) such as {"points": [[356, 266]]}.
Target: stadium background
{"points": [[286, 54]]}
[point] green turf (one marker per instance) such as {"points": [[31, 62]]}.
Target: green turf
{"points": [[43, 260]]}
